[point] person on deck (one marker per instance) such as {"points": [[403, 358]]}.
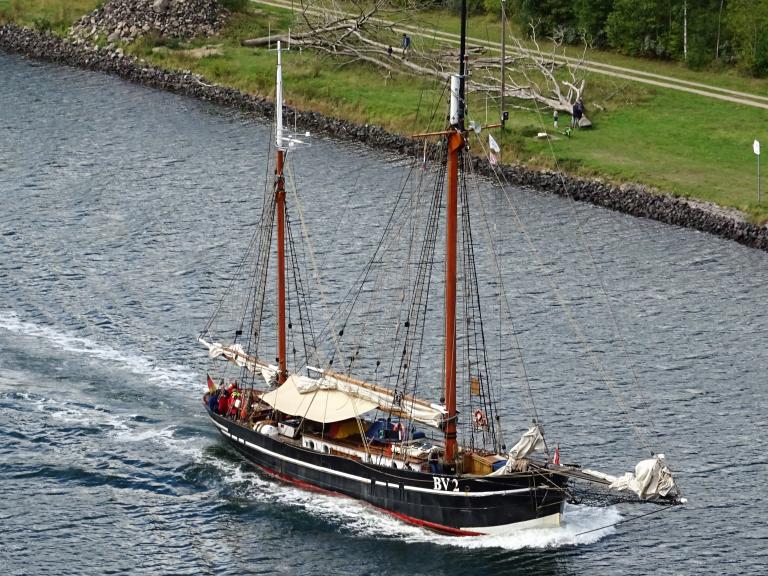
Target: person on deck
{"points": [[234, 406], [213, 401], [223, 404], [434, 460]]}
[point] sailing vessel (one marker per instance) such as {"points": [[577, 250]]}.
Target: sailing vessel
{"points": [[375, 439]]}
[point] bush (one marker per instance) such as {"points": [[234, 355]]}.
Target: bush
{"points": [[42, 24], [236, 5]]}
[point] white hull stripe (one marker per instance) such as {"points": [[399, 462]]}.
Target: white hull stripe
{"points": [[551, 521], [361, 479]]}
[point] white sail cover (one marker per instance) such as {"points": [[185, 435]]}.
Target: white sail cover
{"points": [[322, 405], [531, 441], [234, 353], [651, 479], [303, 395]]}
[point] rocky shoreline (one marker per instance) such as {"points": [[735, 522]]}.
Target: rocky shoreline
{"points": [[635, 200]]}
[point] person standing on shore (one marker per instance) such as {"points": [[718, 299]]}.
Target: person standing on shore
{"points": [[406, 44], [578, 112]]}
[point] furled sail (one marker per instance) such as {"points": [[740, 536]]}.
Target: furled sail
{"points": [[529, 442], [652, 479], [233, 353]]}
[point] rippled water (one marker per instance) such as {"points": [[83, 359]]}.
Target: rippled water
{"points": [[121, 209]]}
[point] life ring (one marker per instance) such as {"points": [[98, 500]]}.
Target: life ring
{"points": [[480, 420]]}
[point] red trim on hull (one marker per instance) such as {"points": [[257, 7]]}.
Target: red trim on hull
{"points": [[430, 525], [299, 483], [408, 519]]}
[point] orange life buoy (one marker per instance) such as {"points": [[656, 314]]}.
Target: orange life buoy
{"points": [[480, 420]]}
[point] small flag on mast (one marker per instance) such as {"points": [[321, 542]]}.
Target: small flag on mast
{"points": [[556, 459], [211, 384], [493, 145]]}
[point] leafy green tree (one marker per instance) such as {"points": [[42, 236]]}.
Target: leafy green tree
{"points": [[547, 15], [646, 27], [591, 17], [747, 22], [705, 34]]}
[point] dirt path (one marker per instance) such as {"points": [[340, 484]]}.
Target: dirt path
{"points": [[659, 80]]}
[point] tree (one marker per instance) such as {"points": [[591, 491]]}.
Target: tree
{"points": [[591, 17], [547, 16], [646, 27], [747, 22], [537, 75]]}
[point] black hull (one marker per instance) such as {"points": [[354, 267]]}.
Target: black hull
{"points": [[454, 505]]}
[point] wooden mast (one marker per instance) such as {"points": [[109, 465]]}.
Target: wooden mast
{"points": [[280, 215], [455, 147]]}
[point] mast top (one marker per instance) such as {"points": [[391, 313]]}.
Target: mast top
{"points": [[279, 101]]}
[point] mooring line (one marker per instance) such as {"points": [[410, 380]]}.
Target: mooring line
{"points": [[624, 521]]}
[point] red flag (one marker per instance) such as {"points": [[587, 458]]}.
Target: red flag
{"points": [[211, 384], [556, 459]]}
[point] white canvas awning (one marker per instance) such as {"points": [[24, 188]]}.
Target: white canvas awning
{"points": [[346, 397], [317, 404]]}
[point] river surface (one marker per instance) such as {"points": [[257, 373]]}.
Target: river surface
{"points": [[123, 210]]}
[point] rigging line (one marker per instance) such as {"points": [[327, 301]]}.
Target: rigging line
{"points": [[299, 277], [334, 334], [586, 245], [386, 232], [249, 250], [631, 519], [428, 264], [486, 389], [362, 278], [416, 310], [505, 298], [257, 292], [603, 289], [376, 291], [232, 280], [304, 306], [313, 259], [257, 288], [562, 303], [399, 197]]}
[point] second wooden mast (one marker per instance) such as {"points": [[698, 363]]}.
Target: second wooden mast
{"points": [[280, 215], [455, 148]]}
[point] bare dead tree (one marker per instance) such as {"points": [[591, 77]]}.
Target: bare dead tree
{"points": [[533, 74]]}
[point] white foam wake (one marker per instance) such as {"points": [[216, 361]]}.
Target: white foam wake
{"points": [[162, 375], [582, 524]]}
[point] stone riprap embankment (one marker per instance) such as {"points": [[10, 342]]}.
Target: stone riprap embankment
{"points": [[630, 199], [128, 19]]}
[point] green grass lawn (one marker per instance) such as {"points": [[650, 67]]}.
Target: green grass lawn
{"points": [[681, 143], [55, 15]]}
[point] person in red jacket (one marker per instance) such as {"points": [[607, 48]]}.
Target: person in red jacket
{"points": [[223, 404]]}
